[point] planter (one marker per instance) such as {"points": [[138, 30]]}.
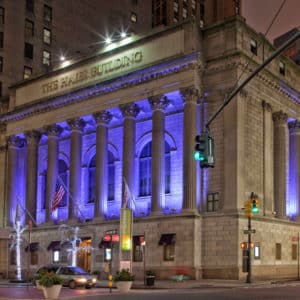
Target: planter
{"points": [[38, 286], [150, 280], [52, 292], [124, 286]]}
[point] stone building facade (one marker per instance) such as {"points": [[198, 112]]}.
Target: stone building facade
{"points": [[132, 112]]}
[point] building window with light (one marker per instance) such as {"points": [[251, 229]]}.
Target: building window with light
{"points": [[92, 181], [27, 72], [2, 11], [212, 202], [47, 36], [29, 28], [168, 242], [133, 17], [46, 58], [28, 51], [278, 251], [47, 13], [56, 256], [282, 68], [256, 251], [253, 46], [138, 248]]}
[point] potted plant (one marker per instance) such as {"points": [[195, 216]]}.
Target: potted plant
{"points": [[150, 277], [37, 277], [51, 284], [124, 279]]}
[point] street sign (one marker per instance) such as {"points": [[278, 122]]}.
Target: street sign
{"points": [[249, 231], [113, 231]]}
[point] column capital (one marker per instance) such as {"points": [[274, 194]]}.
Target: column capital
{"points": [[53, 130], [159, 102], [129, 110], [280, 117], [267, 106], [76, 124], [102, 117], [32, 136], [2, 128], [189, 93], [294, 127], [15, 141]]}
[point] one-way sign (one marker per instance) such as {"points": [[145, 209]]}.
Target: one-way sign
{"points": [[249, 231]]}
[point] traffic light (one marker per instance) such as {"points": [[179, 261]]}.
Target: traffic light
{"points": [[204, 150], [251, 206], [255, 203]]}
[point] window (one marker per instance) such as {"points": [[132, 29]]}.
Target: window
{"points": [[253, 46], [175, 6], [63, 173], [138, 248], [28, 51], [256, 251], [278, 251], [27, 72], [47, 36], [29, 28], [168, 242], [237, 6], [1, 64], [46, 58], [133, 17], [1, 39], [0, 88], [282, 68], [56, 256], [145, 169], [184, 13], [2, 15], [12, 258], [294, 252], [33, 249], [92, 180], [30, 5], [212, 202], [47, 13], [43, 187], [111, 176]]}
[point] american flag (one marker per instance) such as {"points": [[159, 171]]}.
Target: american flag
{"points": [[58, 195], [126, 195]]}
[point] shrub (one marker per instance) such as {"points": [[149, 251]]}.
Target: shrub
{"points": [[124, 275], [150, 273], [49, 279]]}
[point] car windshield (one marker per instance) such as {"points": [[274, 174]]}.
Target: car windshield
{"points": [[78, 271]]}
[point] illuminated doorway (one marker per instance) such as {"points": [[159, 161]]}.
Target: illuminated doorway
{"points": [[84, 254]]}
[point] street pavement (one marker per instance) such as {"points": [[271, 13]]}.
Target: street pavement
{"points": [[9, 290]]}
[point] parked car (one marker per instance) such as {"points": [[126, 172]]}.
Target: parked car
{"points": [[72, 276]]}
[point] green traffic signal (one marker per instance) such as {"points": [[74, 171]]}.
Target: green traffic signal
{"points": [[254, 208], [204, 150]]}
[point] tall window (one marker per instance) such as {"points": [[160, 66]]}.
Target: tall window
{"points": [[294, 251], [1, 64], [30, 5], [28, 50], [212, 202], [29, 28], [1, 39], [43, 189], [27, 72], [2, 15], [137, 252], [145, 161], [278, 251], [111, 176], [63, 172], [47, 13], [47, 36], [92, 180], [46, 58]]}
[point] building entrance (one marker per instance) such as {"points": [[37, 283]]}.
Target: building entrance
{"points": [[84, 254]]}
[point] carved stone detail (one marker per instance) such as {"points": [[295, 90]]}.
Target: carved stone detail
{"points": [[53, 130], [159, 102], [280, 117], [76, 124], [189, 93], [15, 141], [32, 135], [129, 110], [266, 106], [102, 117]]}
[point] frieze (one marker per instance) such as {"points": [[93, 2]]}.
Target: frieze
{"points": [[159, 102], [102, 117]]}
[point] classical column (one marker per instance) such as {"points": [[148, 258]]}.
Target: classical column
{"points": [[52, 166], [294, 184], [102, 120], [190, 97], [129, 111], [158, 104], [268, 179], [14, 143], [32, 138], [281, 162], [76, 126]]}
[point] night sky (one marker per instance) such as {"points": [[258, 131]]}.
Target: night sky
{"points": [[259, 14]]}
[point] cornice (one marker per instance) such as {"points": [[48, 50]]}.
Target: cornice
{"points": [[151, 73]]}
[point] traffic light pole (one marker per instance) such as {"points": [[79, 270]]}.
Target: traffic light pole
{"points": [[249, 275], [254, 73]]}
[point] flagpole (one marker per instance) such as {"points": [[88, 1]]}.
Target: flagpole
{"points": [[27, 211]]}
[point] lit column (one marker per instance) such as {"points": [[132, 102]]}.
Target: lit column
{"points": [[294, 186], [129, 111], [52, 166], [33, 138], [14, 143], [158, 104], [190, 97], [102, 120], [281, 159], [76, 126]]}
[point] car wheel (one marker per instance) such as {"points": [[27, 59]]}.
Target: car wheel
{"points": [[88, 287], [72, 284]]}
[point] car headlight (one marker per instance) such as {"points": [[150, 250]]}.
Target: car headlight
{"points": [[94, 280], [81, 280]]}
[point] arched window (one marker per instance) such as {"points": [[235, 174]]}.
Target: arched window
{"points": [[111, 176], [145, 161], [92, 180], [63, 174]]}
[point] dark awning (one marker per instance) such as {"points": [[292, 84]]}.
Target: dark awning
{"points": [[54, 245], [32, 247], [167, 239], [68, 244], [104, 244]]}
